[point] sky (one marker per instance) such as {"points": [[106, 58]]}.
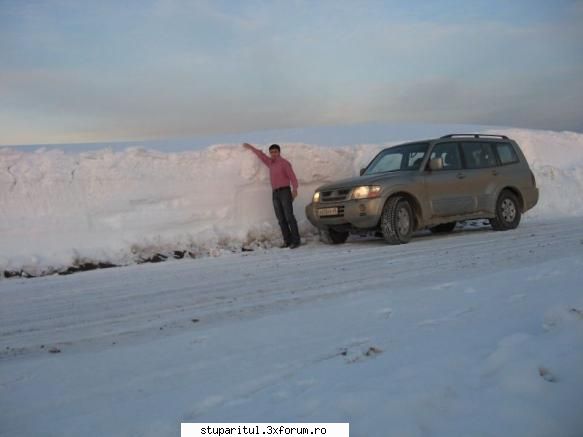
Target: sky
{"points": [[85, 71]]}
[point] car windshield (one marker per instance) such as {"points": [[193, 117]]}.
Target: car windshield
{"points": [[398, 158]]}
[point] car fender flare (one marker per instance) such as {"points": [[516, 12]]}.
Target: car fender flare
{"points": [[400, 190], [514, 190]]}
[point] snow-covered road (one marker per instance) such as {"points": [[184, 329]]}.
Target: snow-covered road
{"points": [[444, 336]]}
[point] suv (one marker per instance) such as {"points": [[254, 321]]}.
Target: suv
{"points": [[428, 184]]}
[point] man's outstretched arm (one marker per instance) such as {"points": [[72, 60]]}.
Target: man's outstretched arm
{"points": [[258, 152]]}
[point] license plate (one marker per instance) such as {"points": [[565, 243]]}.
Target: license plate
{"points": [[322, 212]]}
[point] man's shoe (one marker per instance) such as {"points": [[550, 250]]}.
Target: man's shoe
{"points": [[294, 245], [284, 245]]}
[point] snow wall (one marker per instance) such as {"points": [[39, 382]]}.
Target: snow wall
{"points": [[59, 210]]}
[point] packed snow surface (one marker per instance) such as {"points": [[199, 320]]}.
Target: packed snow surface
{"points": [[61, 209], [476, 333]]}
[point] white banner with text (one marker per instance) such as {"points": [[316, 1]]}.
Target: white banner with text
{"points": [[264, 429]]}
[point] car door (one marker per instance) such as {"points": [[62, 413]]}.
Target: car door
{"points": [[481, 173], [448, 190]]}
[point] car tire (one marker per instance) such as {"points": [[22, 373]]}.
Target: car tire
{"points": [[507, 212], [330, 236], [443, 228], [397, 221]]}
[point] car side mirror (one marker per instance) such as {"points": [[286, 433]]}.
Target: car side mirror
{"points": [[436, 164], [362, 170]]}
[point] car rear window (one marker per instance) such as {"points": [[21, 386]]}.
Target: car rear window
{"points": [[506, 153]]}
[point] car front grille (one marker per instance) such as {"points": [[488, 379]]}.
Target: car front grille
{"points": [[334, 195]]}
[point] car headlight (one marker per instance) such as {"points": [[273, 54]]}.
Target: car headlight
{"points": [[316, 197], [366, 192]]}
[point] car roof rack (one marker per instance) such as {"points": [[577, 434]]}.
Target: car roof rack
{"points": [[475, 136]]}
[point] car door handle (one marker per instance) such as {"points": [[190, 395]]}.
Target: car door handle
{"points": [[460, 176]]}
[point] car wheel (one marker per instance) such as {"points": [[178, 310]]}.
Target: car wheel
{"points": [[330, 236], [397, 221], [507, 212], [444, 228]]}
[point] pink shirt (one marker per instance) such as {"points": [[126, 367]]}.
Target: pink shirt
{"points": [[280, 171]]}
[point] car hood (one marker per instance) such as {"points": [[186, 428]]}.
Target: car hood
{"points": [[360, 180]]}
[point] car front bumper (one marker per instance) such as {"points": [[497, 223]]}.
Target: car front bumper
{"points": [[358, 214]]}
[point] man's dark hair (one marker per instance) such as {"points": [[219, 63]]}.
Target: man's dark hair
{"points": [[274, 147]]}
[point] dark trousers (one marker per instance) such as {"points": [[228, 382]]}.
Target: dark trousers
{"points": [[284, 211]]}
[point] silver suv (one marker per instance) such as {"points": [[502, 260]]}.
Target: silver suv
{"points": [[428, 184]]}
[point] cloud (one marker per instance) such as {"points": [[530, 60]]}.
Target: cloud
{"points": [[181, 68]]}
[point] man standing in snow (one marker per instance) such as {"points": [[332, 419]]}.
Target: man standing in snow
{"points": [[281, 175]]}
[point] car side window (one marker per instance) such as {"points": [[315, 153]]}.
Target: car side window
{"points": [[414, 160], [478, 155], [449, 153], [506, 153]]}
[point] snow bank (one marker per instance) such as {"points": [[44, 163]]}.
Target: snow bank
{"points": [[60, 209]]}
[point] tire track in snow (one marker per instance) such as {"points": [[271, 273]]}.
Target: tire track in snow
{"points": [[99, 307]]}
